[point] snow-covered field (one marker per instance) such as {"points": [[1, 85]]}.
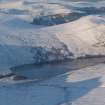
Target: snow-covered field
{"points": [[39, 31], [82, 87]]}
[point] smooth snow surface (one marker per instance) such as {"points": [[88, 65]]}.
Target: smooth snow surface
{"points": [[82, 87]]}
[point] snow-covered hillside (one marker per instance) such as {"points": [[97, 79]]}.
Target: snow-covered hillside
{"points": [[22, 42], [85, 36], [39, 31]]}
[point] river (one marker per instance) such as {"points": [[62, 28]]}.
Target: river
{"points": [[47, 70]]}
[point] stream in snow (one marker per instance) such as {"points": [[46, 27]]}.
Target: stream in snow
{"points": [[47, 70]]}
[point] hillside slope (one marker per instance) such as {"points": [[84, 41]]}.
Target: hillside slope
{"points": [[22, 42]]}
